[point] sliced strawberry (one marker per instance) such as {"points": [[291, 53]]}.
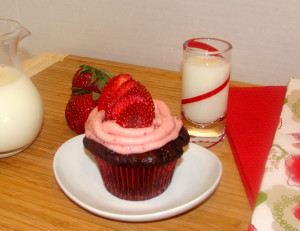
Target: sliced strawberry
{"points": [[122, 90], [104, 95], [136, 115], [128, 102], [119, 80], [136, 94], [110, 88], [122, 104]]}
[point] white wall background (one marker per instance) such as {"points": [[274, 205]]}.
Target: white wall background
{"points": [[265, 34]]}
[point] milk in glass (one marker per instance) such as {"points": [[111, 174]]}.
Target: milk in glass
{"points": [[200, 75]]}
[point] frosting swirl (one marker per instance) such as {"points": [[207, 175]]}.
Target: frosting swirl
{"points": [[164, 128]]}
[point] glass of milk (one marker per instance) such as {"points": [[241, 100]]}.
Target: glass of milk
{"points": [[21, 108], [205, 84]]}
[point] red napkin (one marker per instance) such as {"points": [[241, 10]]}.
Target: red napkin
{"points": [[252, 119]]}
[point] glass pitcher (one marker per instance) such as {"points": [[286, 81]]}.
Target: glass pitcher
{"points": [[21, 107]]}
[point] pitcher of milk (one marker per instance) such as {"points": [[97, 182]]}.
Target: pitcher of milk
{"points": [[21, 107]]}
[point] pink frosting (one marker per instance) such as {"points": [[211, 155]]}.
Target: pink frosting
{"points": [[165, 128]]}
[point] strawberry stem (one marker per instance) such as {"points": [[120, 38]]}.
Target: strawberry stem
{"points": [[98, 74]]}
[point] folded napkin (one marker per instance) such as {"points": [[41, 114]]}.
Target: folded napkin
{"points": [[252, 118], [278, 203]]}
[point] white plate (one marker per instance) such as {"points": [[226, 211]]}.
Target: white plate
{"points": [[195, 178]]}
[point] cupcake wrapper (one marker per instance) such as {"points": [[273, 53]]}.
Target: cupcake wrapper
{"points": [[136, 183]]}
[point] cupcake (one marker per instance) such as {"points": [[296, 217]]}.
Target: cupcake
{"points": [[135, 140]]}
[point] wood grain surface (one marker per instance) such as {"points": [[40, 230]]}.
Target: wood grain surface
{"points": [[32, 200]]}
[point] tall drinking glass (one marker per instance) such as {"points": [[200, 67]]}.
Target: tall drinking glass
{"points": [[205, 84]]}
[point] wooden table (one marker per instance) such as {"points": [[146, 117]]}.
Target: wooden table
{"points": [[32, 200]]}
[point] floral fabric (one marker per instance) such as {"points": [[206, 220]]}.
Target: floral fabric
{"points": [[278, 202]]}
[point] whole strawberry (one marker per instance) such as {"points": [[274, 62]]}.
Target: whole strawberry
{"points": [[89, 78], [78, 110]]}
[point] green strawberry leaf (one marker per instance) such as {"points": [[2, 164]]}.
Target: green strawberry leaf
{"points": [[94, 77], [99, 75], [79, 91], [86, 69], [103, 79], [95, 96], [106, 72]]}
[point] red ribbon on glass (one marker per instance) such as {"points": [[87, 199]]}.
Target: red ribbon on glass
{"points": [[200, 45], [206, 95]]}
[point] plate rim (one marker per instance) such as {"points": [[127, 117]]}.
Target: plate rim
{"points": [[146, 217]]}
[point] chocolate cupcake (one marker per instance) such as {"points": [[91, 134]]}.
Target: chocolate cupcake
{"points": [[139, 176], [135, 140]]}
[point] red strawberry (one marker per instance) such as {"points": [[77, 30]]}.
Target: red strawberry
{"points": [[122, 90], [128, 102], [104, 95], [119, 80], [89, 78], [78, 110], [136, 115], [110, 88], [137, 94]]}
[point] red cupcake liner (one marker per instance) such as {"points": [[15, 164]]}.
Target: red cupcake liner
{"points": [[136, 183]]}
